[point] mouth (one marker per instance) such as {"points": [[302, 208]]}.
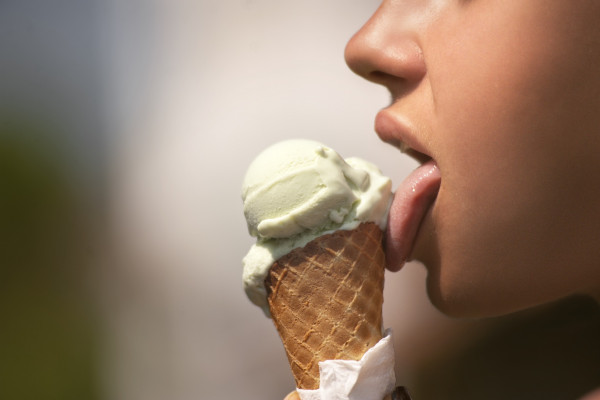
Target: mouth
{"points": [[398, 131], [415, 196]]}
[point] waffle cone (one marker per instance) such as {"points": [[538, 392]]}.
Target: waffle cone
{"points": [[326, 299]]}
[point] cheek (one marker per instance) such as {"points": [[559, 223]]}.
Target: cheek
{"points": [[514, 143], [506, 219]]}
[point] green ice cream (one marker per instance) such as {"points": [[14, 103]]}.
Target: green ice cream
{"points": [[298, 190]]}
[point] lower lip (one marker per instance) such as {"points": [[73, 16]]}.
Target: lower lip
{"points": [[412, 200]]}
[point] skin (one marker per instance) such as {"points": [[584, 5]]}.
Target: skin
{"points": [[292, 396], [504, 96]]}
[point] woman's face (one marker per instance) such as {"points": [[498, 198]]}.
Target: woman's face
{"points": [[504, 96]]}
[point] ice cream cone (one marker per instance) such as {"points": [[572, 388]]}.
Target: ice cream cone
{"points": [[326, 299]]}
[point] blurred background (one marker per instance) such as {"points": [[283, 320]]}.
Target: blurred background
{"points": [[125, 130]]}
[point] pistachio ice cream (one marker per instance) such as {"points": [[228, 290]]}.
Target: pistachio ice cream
{"points": [[298, 190]]}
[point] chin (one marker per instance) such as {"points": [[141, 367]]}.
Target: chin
{"points": [[466, 297], [457, 304], [451, 302], [468, 283]]}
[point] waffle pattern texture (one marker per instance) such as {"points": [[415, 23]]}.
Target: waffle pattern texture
{"points": [[326, 299]]}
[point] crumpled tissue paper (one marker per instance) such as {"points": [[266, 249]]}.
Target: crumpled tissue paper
{"points": [[370, 378]]}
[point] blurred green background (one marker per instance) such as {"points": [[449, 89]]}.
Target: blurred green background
{"points": [[48, 321]]}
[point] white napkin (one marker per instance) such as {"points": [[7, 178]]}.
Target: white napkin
{"points": [[371, 378]]}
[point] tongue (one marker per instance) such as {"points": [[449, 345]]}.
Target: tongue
{"points": [[412, 200]]}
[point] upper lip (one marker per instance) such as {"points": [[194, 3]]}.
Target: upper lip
{"points": [[397, 130]]}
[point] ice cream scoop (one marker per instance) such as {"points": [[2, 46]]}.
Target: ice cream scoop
{"points": [[297, 190]]}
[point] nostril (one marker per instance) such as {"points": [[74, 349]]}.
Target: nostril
{"points": [[378, 77], [386, 64]]}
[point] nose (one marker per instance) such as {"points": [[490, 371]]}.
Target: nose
{"points": [[386, 49]]}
